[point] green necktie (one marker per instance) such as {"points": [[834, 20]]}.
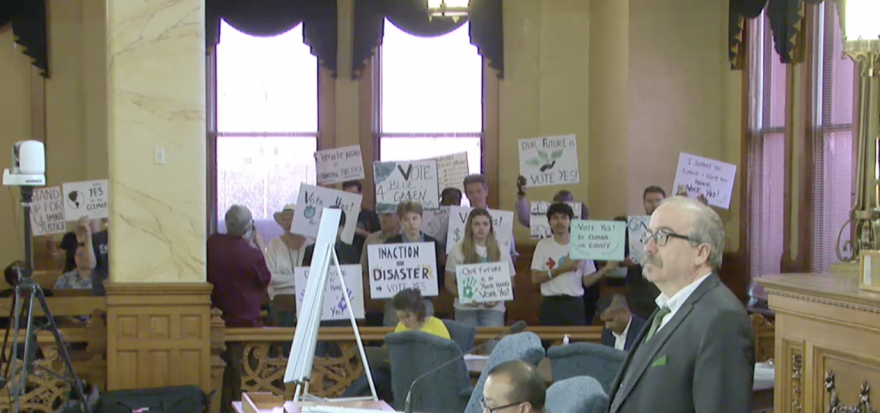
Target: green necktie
{"points": [[655, 323]]}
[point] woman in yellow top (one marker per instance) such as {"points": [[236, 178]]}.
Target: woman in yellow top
{"points": [[412, 313]]}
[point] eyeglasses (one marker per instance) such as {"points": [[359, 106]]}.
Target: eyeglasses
{"points": [[495, 409], [661, 237]]}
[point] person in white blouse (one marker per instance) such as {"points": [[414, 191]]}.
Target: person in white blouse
{"points": [[479, 245], [283, 255]]}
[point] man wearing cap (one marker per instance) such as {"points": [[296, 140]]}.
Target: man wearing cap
{"points": [[237, 269]]}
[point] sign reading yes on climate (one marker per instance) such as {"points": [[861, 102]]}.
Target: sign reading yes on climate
{"points": [[47, 212], [502, 223], [334, 301], [549, 161], [86, 198], [395, 267], [339, 165], [539, 225], [483, 283], [400, 181], [712, 179], [310, 206], [598, 240]]}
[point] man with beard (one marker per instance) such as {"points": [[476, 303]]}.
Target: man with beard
{"points": [[697, 352]]}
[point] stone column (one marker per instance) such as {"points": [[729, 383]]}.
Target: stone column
{"points": [[158, 302]]}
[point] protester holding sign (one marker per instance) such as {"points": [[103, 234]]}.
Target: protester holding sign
{"points": [[283, 255], [478, 246], [523, 214], [476, 188], [88, 231]]}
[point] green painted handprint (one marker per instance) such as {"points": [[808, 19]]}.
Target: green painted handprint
{"points": [[467, 290]]}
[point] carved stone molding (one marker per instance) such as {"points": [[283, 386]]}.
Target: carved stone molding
{"points": [[797, 364], [834, 404]]}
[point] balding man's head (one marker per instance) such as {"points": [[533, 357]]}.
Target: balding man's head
{"points": [[514, 387], [614, 312]]}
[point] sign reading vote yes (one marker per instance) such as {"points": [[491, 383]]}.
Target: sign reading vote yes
{"points": [[502, 223], [712, 179], [549, 161], [310, 206], [395, 267], [86, 198], [339, 165], [47, 212], [482, 283], [334, 301], [401, 181], [597, 240]]}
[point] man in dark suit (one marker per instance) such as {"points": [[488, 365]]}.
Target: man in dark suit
{"points": [[697, 352], [621, 326]]}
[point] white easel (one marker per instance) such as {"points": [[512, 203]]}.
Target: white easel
{"points": [[302, 352]]}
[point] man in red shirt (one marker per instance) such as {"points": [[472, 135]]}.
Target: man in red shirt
{"points": [[237, 269]]}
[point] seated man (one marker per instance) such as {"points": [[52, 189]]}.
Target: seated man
{"points": [[621, 326], [514, 386]]}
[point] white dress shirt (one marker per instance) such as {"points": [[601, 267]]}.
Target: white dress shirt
{"points": [[675, 302], [620, 339]]}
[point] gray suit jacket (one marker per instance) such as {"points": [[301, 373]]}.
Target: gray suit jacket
{"points": [[702, 360]]}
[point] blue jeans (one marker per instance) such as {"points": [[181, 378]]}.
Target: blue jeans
{"points": [[481, 318]]}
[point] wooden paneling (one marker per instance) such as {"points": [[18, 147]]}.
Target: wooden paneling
{"points": [[158, 335]]}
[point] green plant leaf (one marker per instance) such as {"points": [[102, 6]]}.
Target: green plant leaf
{"points": [[533, 162], [543, 156], [557, 154]]}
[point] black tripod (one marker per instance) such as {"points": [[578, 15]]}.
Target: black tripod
{"points": [[26, 292]]}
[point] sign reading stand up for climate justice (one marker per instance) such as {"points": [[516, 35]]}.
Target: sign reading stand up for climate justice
{"points": [[339, 165], [549, 161], [47, 212]]}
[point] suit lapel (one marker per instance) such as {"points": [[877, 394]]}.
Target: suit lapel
{"points": [[616, 385], [641, 355]]}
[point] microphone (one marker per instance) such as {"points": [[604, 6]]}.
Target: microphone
{"points": [[518, 327]]}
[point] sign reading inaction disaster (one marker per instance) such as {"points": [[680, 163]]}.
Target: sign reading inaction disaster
{"points": [[396, 267]]}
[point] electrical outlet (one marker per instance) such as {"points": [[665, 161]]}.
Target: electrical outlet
{"points": [[159, 156]]}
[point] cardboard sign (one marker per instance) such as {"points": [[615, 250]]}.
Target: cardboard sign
{"points": [[539, 225], [696, 175], [598, 240], [86, 198], [395, 267], [483, 283], [334, 302], [400, 181], [339, 165], [436, 223], [311, 203], [549, 161], [502, 223], [451, 170], [47, 212], [637, 228]]}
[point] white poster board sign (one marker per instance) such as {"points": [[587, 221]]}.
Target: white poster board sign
{"points": [[451, 170], [47, 212], [395, 267], [399, 181], [334, 302], [502, 223], [436, 223], [86, 198], [310, 205], [549, 161], [637, 231], [712, 179], [598, 240], [483, 283], [339, 165], [539, 225]]}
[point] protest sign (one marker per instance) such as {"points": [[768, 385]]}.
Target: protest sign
{"points": [[47, 212], [637, 228], [334, 301], [86, 198], [597, 240], [502, 223], [549, 161], [539, 226], [696, 175], [400, 181], [483, 283], [451, 170], [436, 223], [339, 165], [395, 267], [310, 206]]}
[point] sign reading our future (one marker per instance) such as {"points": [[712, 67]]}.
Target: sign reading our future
{"points": [[310, 206], [395, 267], [598, 240], [549, 161], [334, 301], [88, 198], [339, 165], [47, 212], [696, 176], [483, 283], [502, 224], [400, 181]]}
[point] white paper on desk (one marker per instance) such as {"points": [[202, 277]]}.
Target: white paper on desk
{"points": [[475, 357]]}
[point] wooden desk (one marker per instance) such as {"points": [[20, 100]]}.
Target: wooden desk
{"points": [[827, 335], [295, 407]]}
